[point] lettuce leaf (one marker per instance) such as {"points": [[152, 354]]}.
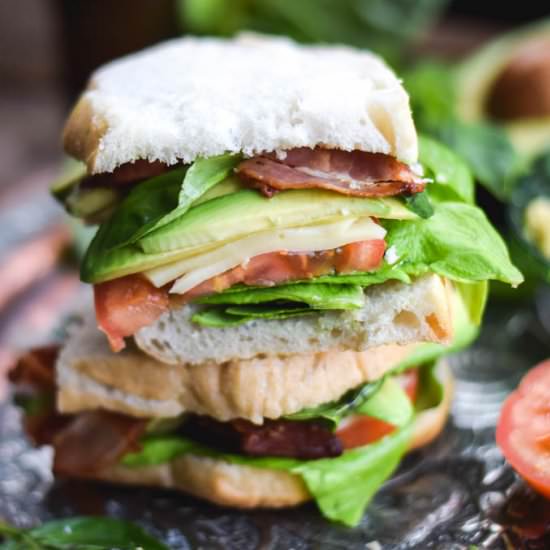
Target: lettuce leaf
{"points": [[342, 486], [457, 242], [160, 200]]}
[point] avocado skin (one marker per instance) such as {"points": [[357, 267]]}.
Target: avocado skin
{"points": [[476, 77]]}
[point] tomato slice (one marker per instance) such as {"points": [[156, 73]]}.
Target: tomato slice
{"points": [[125, 305], [523, 431], [362, 430]]}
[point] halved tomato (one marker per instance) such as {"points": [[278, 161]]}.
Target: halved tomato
{"points": [[523, 431], [362, 430]]}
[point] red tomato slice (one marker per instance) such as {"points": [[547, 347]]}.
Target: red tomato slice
{"points": [[125, 305], [362, 430], [523, 431]]}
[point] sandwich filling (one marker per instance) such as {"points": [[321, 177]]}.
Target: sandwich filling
{"points": [[369, 423], [281, 235]]}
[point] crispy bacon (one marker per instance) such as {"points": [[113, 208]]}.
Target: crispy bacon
{"points": [[125, 305], [127, 174], [354, 173], [95, 440], [35, 369], [306, 440]]}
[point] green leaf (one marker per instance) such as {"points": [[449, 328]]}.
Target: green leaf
{"points": [[159, 449], [431, 88], [488, 152], [334, 411], [222, 317], [390, 404], [202, 175], [318, 296], [84, 533], [535, 184], [141, 209], [344, 486], [451, 178], [457, 242], [420, 204]]}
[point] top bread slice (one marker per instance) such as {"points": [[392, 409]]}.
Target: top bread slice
{"points": [[200, 97], [393, 313]]}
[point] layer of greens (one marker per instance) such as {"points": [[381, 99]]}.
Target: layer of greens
{"points": [[443, 233], [343, 486]]}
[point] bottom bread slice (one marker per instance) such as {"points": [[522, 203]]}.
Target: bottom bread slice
{"points": [[244, 486]]}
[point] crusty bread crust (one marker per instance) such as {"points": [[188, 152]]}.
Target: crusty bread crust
{"points": [[164, 104], [247, 487], [83, 132]]}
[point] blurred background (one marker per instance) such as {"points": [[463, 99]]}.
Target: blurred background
{"points": [[479, 97]]}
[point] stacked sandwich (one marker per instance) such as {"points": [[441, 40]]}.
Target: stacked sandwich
{"points": [[276, 275]]}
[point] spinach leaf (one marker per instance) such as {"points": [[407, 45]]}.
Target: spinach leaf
{"points": [[222, 317], [142, 208], [319, 296], [84, 533]]}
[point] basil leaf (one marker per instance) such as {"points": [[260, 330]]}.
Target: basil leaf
{"points": [[420, 204], [84, 533]]}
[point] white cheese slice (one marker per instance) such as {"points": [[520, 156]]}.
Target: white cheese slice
{"points": [[192, 271]]}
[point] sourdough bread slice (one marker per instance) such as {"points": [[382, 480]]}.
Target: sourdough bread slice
{"points": [[247, 487], [199, 97], [90, 376], [394, 313]]}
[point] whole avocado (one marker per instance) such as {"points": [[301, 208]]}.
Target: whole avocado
{"points": [[508, 81]]}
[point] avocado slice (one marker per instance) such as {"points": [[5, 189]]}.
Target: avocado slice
{"points": [[477, 77], [227, 218], [232, 216], [72, 173]]}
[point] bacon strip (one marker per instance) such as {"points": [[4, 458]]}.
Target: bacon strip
{"points": [[306, 440], [354, 173], [95, 440], [83, 444]]}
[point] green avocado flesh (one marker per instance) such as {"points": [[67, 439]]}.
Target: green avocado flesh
{"points": [[223, 219]]}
